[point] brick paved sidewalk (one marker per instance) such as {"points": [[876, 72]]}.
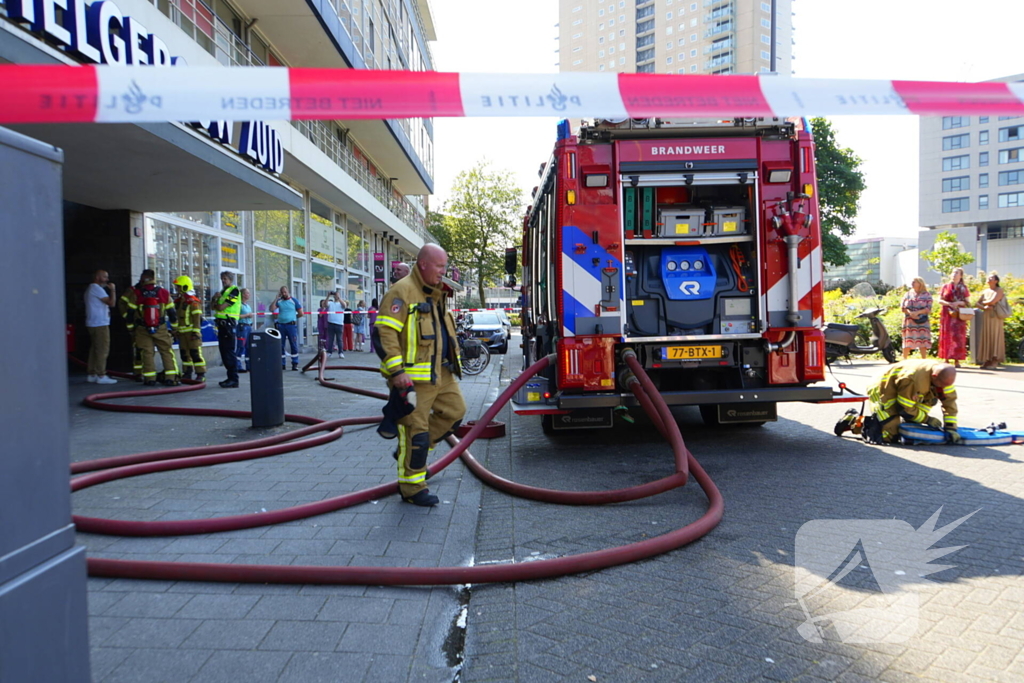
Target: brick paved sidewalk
{"points": [[190, 631]]}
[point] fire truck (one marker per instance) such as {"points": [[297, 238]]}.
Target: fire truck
{"points": [[694, 243]]}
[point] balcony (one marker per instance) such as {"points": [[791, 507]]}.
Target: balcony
{"points": [[719, 61], [324, 135], [726, 27], [209, 31], [719, 45]]}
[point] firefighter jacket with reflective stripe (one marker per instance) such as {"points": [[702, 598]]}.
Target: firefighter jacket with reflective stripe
{"points": [[190, 314], [233, 297], [134, 308], [409, 326], [906, 390]]}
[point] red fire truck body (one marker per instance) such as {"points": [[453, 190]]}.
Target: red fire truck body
{"points": [[697, 245]]}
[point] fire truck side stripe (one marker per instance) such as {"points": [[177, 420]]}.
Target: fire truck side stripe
{"points": [[572, 309], [562, 94], [778, 293]]}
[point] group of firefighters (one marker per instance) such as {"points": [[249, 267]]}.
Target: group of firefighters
{"points": [[146, 309]]}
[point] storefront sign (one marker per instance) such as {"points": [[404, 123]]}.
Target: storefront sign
{"points": [[378, 266], [256, 140], [96, 32]]}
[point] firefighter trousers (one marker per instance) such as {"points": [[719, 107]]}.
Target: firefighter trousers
{"points": [[191, 354], [162, 340], [439, 409]]}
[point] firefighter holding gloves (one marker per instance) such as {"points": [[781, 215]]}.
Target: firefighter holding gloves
{"points": [[907, 390], [415, 339], [148, 309], [188, 329]]}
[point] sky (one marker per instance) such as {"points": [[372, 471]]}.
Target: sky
{"points": [[937, 40]]}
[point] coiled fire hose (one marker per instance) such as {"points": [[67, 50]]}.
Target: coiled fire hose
{"points": [[109, 469]]}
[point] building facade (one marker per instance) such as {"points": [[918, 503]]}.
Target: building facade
{"points": [[676, 36], [317, 206], [888, 261], [972, 185]]}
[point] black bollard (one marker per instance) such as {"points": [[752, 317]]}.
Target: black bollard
{"points": [[266, 383]]}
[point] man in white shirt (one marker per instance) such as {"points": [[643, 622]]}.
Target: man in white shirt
{"points": [[100, 297], [335, 324]]}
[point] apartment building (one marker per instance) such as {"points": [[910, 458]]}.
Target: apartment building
{"points": [[972, 184], [676, 36], [317, 206]]}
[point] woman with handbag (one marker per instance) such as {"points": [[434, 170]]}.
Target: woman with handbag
{"points": [[994, 309], [917, 310], [952, 327]]}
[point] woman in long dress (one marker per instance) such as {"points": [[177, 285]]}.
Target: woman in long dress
{"points": [[917, 326], [953, 330], [992, 347]]}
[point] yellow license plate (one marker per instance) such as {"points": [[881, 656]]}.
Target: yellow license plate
{"points": [[691, 352]]}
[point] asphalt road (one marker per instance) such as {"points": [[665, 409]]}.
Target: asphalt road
{"points": [[725, 607]]}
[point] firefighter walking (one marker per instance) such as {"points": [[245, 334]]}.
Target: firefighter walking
{"points": [[188, 329], [906, 392], [418, 348], [149, 307]]}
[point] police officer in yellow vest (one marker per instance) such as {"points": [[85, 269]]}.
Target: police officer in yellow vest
{"points": [[416, 341], [907, 390], [227, 306]]}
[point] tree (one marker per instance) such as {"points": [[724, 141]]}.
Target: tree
{"points": [[840, 184], [947, 254], [479, 221]]}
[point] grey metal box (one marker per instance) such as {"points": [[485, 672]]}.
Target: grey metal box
{"points": [[727, 220], [681, 221]]}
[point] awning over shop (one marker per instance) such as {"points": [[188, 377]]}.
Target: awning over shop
{"points": [[158, 167]]}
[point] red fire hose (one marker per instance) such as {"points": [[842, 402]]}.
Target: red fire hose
{"points": [[134, 465]]}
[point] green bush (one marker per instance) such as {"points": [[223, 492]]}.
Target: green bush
{"points": [[844, 308]]}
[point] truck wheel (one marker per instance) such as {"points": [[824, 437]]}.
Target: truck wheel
{"points": [[546, 424], [709, 414]]}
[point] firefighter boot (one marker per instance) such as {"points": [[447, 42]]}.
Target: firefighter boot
{"points": [[846, 423], [200, 376], [186, 373]]}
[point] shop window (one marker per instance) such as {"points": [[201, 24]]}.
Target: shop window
{"points": [[172, 250], [321, 232], [271, 272], [231, 221], [272, 227]]}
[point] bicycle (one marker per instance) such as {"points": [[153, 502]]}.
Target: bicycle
{"points": [[474, 353]]}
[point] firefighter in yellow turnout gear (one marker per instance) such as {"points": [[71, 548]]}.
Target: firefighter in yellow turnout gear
{"points": [[418, 347], [122, 310], [188, 329], [148, 308], [908, 390]]}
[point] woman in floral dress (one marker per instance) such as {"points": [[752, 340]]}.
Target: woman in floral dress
{"points": [[953, 330], [917, 326]]}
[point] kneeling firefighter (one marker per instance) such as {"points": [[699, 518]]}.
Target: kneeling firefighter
{"points": [[415, 338], [188, 329], [906, 391], [149, 307]]}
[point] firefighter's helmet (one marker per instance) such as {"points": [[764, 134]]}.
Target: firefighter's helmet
{"points": [[183, 281]]}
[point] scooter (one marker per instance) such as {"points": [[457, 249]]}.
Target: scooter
{"points": [[841, 339]]}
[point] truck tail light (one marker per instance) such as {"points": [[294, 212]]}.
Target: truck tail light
{"points": [[586, 363], [814, 356]]}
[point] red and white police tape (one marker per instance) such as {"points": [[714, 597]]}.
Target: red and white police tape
{"points": [[107, 94]]}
